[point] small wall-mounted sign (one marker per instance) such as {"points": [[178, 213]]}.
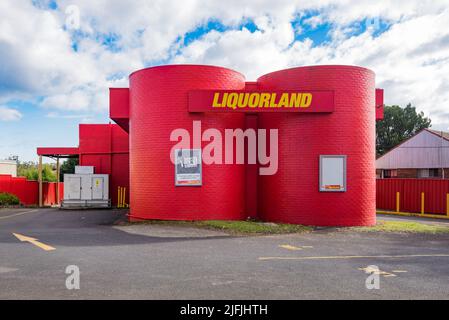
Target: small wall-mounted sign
{"points": [[333, 173], [188, 167]]}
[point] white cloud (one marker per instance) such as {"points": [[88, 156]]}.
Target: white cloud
{"points": [[57, 115], [9, 114], [314, 21], [410, 59], [42, 63]]}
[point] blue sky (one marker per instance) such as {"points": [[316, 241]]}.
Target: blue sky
{"points": [[60, 57]]}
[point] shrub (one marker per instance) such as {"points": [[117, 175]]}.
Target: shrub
{"points": [[8, 199]]}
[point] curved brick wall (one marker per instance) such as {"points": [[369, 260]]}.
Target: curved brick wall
{"points": [[292, 194], [158, 105]]}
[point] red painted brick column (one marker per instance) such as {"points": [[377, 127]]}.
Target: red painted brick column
{"points": [[158, 105], [292, 195]]}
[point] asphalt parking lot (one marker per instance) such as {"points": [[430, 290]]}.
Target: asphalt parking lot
{"points": [[172, 262]]}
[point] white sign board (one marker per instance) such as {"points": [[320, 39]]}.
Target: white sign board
{"points": [[333, 173], [188, 165]]}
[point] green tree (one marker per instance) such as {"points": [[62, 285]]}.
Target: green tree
{"points": [[398, 125], [48, 173], [68, 167], [30, 171], [27, 170]]}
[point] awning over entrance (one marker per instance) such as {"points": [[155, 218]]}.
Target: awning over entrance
{"points": [[58, 152], [54, 153]]}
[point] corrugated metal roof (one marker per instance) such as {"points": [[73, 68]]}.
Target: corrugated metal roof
{"points": [[426, 149], [442, 134]]}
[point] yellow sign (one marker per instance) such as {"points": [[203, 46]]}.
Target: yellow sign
{"points": [[280, 100], [236, 100]]}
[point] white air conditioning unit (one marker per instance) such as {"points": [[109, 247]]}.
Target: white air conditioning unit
{"points": [[86, 191]]}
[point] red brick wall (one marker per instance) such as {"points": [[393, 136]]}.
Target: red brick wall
{"points": [[292, 194], [251, 170], [106, 147], [159, 105]]}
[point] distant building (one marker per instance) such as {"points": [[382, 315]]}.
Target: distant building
{"points": [[425, 155], [8, 167]]}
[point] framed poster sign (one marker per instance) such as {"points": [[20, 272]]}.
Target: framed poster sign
{"points": [[332, 173], [188, 168]]}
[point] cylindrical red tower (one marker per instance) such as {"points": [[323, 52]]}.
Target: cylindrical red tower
{"points": [[159, 105], [292, 195]]}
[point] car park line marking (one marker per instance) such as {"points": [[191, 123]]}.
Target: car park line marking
{"points": [[6, 270], [355, 257], [377, 271], [34, 241], [294, 248], [17, 214], [289, 247]]}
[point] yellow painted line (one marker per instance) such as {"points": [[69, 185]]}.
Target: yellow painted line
{"points": [[399, 271], [409, 214], [289, 247], [34, 241], [17, 214], [354, 257]]}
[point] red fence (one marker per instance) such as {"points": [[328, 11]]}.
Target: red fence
{"points": [[28, 191], [434, 192], [415, 195]]}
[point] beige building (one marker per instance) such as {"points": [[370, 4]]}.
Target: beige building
{"points": [[8, 167], [425, 155]]}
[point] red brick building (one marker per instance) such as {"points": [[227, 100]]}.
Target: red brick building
{"points": [[157, 102], [319, 181]]}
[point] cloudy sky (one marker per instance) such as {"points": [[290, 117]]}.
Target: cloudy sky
{"points": [[58, 57]]}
